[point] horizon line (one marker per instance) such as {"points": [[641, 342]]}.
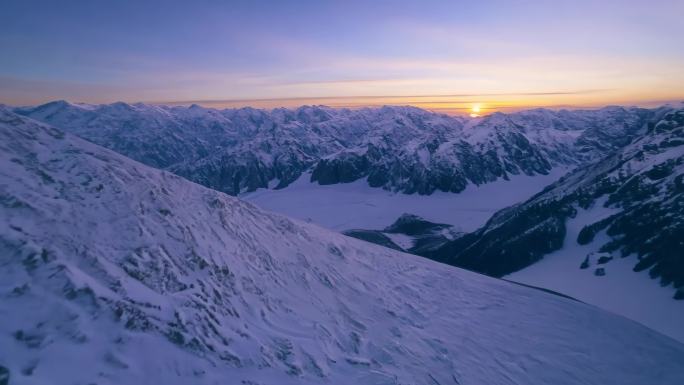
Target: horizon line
{"points": [[455, 106], [487, 109]]}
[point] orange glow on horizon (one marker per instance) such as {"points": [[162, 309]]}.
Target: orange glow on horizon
{"points": [[475, 111], [463, 104]]}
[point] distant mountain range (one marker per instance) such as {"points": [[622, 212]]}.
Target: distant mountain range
{"points": [[401, 149]]}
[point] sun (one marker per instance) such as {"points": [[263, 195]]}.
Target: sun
{"points": [[475, 111]]}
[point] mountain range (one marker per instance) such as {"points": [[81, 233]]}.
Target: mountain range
{"points": [[449, 170], [402, 149], [114, 272]]}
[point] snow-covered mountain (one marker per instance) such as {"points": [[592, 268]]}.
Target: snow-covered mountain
{"points": [[403, 149], [114, 272], [641, 188], [629, 205]]}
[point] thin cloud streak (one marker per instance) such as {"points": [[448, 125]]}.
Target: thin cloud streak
{"points": [[184, 102], [459, 103]]}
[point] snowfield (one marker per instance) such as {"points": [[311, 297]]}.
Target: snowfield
{"points": [[356, 205], [116, 273]]}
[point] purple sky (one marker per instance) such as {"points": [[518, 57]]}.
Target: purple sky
{"points": [[436, 54]]}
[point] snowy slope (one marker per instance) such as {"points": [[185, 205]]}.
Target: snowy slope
{"points": [[401, 149], [116, 273], [619, 290]]}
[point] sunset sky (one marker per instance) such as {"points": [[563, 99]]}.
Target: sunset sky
{"points": [[440, 55]]}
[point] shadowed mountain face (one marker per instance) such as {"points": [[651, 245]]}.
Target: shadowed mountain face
{"points": [[402, 149], [117, 273], [641, 190]]}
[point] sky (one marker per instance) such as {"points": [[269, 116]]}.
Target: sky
{"points": [[440, 55]]}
